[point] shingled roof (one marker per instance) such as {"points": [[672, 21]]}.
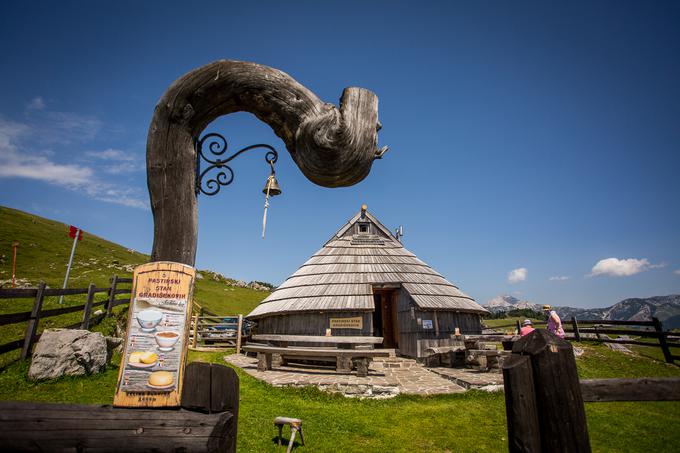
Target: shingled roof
{"points": [[341, 275]]}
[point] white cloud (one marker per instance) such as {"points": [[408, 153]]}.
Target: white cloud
{"points": [[18, 162], [559, 278], [677, 271], [517, 275], [622, 268], [37, 103], [118, 161]]}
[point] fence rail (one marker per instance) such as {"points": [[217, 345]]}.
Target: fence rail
{"points": [[217, 331], [37, 313], [602, 328]]}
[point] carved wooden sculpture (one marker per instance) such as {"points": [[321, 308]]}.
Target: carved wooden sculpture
{"points": [[333, 146]]}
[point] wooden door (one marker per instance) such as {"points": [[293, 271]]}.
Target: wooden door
{"points": [[388, 314]]}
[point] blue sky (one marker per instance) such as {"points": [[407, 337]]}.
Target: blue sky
{"points": [[534, 147]]}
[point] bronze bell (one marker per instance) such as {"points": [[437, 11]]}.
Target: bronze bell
{"points": [[273, 185]]}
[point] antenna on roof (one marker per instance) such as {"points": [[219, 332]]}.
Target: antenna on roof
{"points": [[399, 232]]}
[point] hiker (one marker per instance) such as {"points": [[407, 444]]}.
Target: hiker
{"points": [[527, 328], [554, 321]]}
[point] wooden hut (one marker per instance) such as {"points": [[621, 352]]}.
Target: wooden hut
{"points": [[364, 282]]}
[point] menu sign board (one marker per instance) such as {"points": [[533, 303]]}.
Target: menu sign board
{"points": [[152, 366], [347, 323]]}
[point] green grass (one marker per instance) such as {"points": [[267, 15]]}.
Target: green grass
{"points": [[43, 254], [474, 421]]}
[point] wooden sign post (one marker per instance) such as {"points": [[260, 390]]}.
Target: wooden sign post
{"points": [[152, 369]]}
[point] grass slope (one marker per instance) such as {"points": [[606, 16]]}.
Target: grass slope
{"points": [[43, 255]]}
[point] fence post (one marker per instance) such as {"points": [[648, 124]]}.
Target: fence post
{"points": [[520, 405], [662, 341], [32, 327], [519, 327], [195, 341], [577, 334], [112, 295], [557, 391], [238, 334], [88, 307]]}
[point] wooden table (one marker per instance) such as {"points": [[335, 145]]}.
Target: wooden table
{"points": [[350, 341]]}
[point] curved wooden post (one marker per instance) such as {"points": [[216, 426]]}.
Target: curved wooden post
{"points": [[332, 146]]}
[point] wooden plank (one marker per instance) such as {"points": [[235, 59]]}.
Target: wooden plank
{"points": [[13, 318], [319, 339], [85, 325], [316, 351], [119, 291], [124, 280], [607, 331], [577, 333], [17, 293], [662, 341], [32, 327], [196, 391], [61, 311], [112, 296], [11, 346], [616, 323], [64, 291], [641, 389], [59, 427], [520, 405], [118, 302]]}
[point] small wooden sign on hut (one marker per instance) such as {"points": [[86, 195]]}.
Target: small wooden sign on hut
{"points": [[152, 368], [347, 323]]}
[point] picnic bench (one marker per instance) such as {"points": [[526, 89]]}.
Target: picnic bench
{"points": [[347, 353]]}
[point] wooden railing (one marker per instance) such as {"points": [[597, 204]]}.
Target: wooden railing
{"points": [[38, 295], [217, 330], [603, 328]]}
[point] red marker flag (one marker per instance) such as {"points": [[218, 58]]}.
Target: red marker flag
{"points": [[72, 232]]}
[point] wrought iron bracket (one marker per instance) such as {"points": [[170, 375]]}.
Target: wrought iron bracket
{"points": [[216, 146]]}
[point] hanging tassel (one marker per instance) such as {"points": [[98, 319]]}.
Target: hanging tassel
{"points": [[266, 206]]}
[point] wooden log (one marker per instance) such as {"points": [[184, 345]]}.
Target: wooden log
{"points": [[332, 146], [559, 402], [615, 323], [32, 327], [88, 307], [662, 341], [520, 405], [37, 427], [641, 389]]}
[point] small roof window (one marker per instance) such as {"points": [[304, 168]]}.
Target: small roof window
{"points": [[363, 228]]}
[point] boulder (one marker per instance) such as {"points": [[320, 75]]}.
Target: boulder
{"points": [[70, 352]]}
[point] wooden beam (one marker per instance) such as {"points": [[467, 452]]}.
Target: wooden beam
{"points": [[641, 389], [333, 146]]}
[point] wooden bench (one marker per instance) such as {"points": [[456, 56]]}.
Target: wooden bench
{"points": [[345, 359], [351, 342]]}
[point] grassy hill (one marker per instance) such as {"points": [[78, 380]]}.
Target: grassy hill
{"points": [[43, 255], [45, 248]]}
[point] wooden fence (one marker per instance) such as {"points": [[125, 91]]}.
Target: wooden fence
{"points": [[217, 331], [545, 399], [600, 329], [34, 316]]}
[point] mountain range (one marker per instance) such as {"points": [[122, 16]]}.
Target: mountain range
{"points": [[666, 308]]}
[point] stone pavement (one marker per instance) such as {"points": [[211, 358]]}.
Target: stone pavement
{"points": [[387, 377]]}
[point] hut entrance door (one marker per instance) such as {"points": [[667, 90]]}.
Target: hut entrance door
{"points": [[385, 317]]}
